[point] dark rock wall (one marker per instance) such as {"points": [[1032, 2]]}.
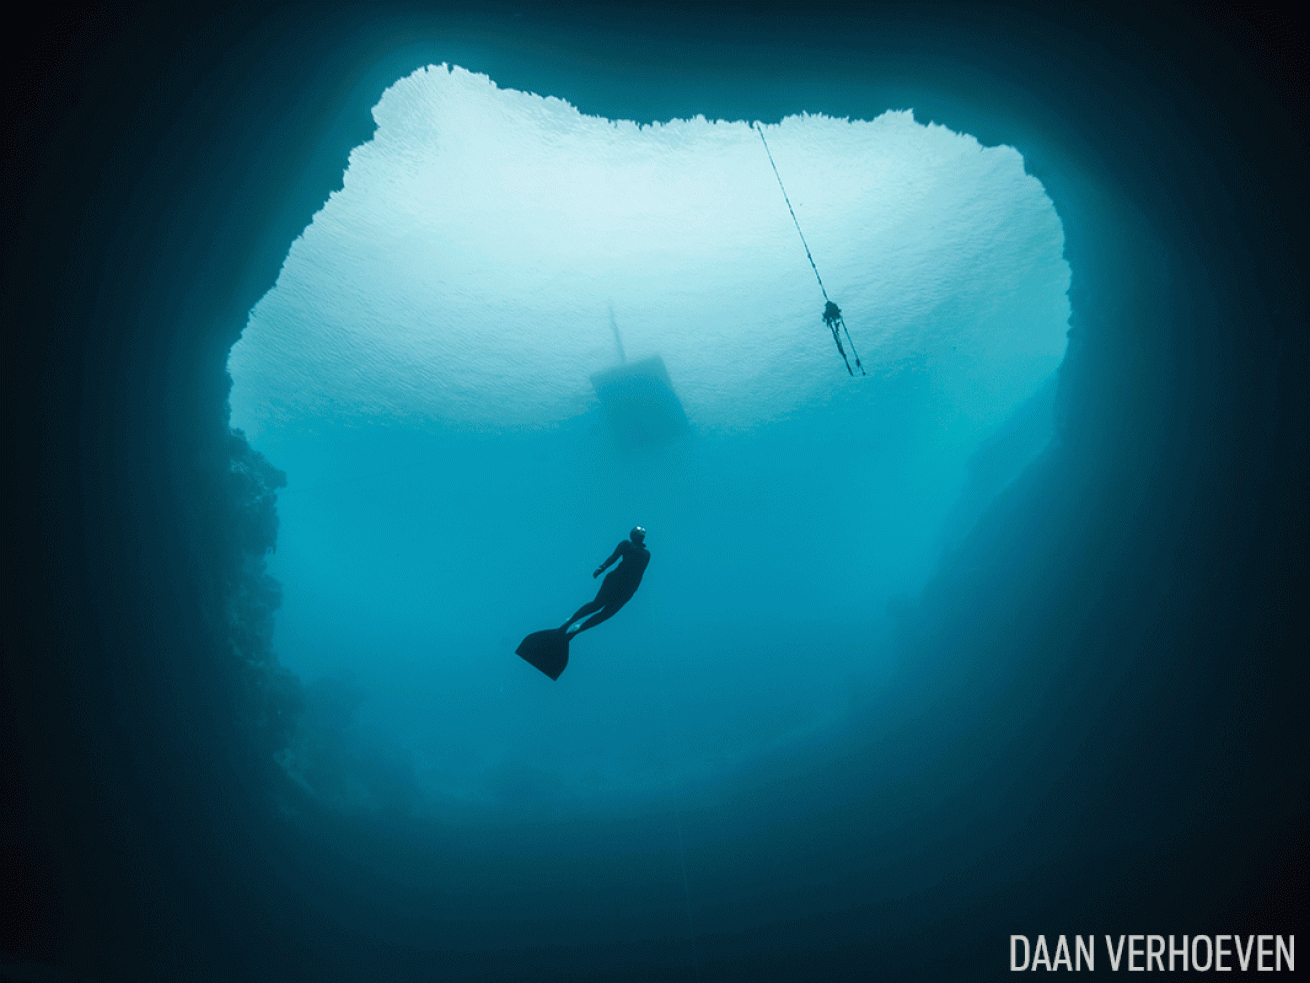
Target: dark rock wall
{"points": [[160, 159]]}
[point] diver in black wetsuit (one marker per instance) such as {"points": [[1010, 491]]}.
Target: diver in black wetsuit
{"points": [[618, 586]]}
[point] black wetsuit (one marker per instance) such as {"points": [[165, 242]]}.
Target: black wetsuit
{"points": [[618, 586]]}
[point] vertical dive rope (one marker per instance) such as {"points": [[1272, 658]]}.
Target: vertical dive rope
{"points": [[832, 315], [618, 339]]}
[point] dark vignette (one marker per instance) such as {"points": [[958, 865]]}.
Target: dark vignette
{"points": [[160, 158]]}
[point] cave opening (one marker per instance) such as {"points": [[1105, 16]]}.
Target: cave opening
{"points": [[424, 370], [1102, 691]]}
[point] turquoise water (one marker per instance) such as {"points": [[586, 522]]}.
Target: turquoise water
{"points": [[421, 372]]}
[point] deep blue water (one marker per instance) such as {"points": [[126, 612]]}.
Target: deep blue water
{"points": [[452, 482], [421, 373], [1000, 638]]}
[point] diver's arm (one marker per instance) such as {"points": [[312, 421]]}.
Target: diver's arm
{"points": [[618, 552]]}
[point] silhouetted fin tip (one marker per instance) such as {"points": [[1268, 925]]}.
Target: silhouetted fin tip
{"points": [[546, 650]]}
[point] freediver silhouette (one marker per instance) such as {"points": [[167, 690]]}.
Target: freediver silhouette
{"points": [[549, 650], [618, 587]]}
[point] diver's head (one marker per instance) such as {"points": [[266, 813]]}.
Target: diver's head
{"points": [[637, 534]]}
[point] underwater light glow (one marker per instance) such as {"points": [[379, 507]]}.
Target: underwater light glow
{"points": [[466, 270], [423, 372]]}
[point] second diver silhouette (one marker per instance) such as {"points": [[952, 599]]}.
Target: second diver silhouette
{"points": [[549, 650]]}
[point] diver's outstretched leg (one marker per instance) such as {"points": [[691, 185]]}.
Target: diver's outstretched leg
{"points": [[592, 621], [610, 611], [582, 612]]}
